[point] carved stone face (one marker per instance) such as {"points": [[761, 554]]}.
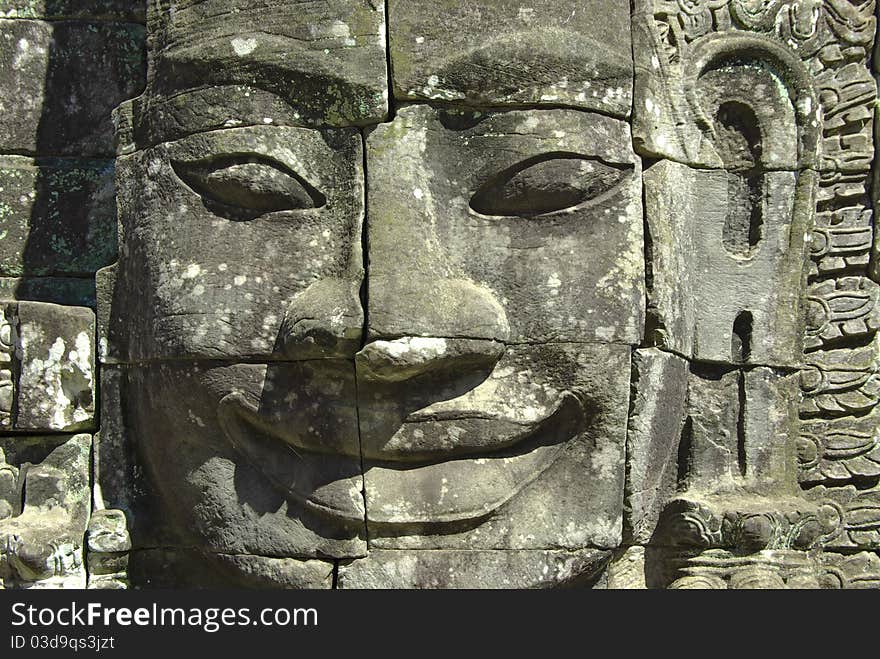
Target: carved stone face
{"points": [[452, 373], [397, 303]]}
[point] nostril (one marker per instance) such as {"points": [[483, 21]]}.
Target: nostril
{"points": [[409, 357], [325, 320]]}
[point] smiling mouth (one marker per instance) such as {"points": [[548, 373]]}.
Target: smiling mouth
{"points": [[479, 464]]}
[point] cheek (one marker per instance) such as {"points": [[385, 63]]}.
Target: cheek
{"points": [[174, 409]]}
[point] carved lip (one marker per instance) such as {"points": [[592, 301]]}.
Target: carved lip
{"points": [[514, 461], [472, 433]]}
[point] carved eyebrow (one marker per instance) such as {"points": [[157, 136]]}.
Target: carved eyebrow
{"points": [[503, 66], [302, 80], [201, 109]]}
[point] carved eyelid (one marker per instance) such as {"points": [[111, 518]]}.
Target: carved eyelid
{"points": [[245, 186], [547, 184]]}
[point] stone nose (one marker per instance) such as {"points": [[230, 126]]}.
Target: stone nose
{"points": [[412, 357], [410, 305], [326, 320]]}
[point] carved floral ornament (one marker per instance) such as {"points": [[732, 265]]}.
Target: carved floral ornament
{"points": [[796, 22]]}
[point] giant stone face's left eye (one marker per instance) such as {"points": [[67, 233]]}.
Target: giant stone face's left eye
{"points": [[546, 184], [245, 187]]}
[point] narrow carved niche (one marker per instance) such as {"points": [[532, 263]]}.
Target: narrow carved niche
{"points": [[741, 338], [741, 453], [738, 142], [685, 454]]}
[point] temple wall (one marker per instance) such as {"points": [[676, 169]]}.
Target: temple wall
{"points": [[729, 369]]}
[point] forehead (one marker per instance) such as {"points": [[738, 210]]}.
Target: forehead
{"points": [[573, 54], [327, 63]]}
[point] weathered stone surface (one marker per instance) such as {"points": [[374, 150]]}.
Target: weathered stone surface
{"points": [[69, 291], [500, 379], [656, 423], [478, 224], [60, 80], [108, 533], [57, 217], [57, 377], [8, 363], [245, 243], [250, 458], [474, 569], [108, 544], [840, 432], [41, 545], [741, 430], [712, 457], [118, 10], [531, 458], [841, 240], [47, 367], [106, 582], [186, 568], [765, 570], [297, 63], [841, 310], [508, 52], [626, 570], [710, 300], [119, 479]]}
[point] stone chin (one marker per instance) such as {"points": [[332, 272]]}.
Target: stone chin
{"points": [[465, 465]]}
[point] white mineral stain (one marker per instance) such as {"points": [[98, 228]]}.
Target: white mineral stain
{"points": [[425, 348], [60, 377], [243, 46], [530, 123], [192, 271], [605, 333]]}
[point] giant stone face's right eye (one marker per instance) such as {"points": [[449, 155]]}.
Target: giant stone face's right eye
{"points": [[245, 187]]}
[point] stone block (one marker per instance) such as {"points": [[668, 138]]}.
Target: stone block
{"points": [[474, 569], [66, 291], [60, 81], [275, 447], [242, 243], [520, 227], [696, 63], [295, 63], [723, 290], [56, 388], [656, 423], [566, 53], [57, 217], [108, 544], [108, 532], [531, 458], [188, 568], [42, 544]]}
